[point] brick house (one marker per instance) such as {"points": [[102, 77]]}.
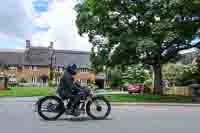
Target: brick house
{"points": [[33, 63]]}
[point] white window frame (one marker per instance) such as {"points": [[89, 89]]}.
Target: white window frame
{"points": [[12, 68], [60, 69], [34, 79], [30, 67], [34, 68], [83, 70], [83, 82]]}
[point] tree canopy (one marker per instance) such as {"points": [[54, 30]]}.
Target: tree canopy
{"points": [[129, 32]]}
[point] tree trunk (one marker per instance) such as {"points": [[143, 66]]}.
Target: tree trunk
{"points": [[157, 83]]}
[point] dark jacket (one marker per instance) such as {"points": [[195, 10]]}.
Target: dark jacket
{"points": [[66, 85]]}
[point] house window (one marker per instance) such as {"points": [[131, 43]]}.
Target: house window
{"points": [[58, 80], [12, 68], [34, 68], [20, 69], [83, 70], [60, 69], [83, 82], [56, 69], [34, 79], [31, 68]]}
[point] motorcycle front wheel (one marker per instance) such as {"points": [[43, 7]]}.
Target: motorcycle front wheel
{"points": [[50, 107], [98, 108]]}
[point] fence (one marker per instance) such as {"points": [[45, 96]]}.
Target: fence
{"points": [[180, 91]]}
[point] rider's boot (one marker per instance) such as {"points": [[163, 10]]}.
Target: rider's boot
{"points": [[73, 111]]}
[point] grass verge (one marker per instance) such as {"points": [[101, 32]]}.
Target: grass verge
{"points": [[44, 91], [27, 91], [149, 98]]}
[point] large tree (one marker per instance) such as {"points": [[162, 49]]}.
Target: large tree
{"points": [[128, 32]]}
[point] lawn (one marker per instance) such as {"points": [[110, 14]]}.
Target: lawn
{"points": [[43, 91], [27, 91], [149, 98]]}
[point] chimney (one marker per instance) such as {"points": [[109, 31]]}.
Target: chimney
{"points": [[28, 43], [51, 45]]}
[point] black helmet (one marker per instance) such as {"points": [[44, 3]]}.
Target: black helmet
{"points": [[72, 69]]}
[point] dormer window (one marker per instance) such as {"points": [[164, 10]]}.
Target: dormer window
{"points": [[83, 70]]}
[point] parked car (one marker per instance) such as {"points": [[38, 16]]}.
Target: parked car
{"points": [[12, 81], [135, 88]]}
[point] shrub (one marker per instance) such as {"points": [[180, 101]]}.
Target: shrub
{"points": [[147, 89], [116, 79], [148, 86], [148, 83], [147, 75], [23, 80], [92, 85], [51, 83]]}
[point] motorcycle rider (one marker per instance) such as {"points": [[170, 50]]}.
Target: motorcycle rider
{"points": [[67, 89]]}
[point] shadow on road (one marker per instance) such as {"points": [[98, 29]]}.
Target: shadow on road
{"points": [[79, 119]]}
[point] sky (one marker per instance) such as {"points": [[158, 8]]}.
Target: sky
{"points": [[40, 21]]}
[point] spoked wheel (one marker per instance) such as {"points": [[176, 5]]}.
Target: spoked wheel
{"points": [[50, 108], [99, 108]]}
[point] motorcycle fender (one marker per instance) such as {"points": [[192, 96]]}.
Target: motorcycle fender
{"points": [[37, 102]]}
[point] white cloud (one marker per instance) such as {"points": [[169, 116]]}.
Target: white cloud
{"points": [[16, 20], [63, 31]]}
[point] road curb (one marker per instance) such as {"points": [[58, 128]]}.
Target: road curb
{"points": [[155, 104], [35, 98]]}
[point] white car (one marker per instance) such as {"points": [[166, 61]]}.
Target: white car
{"points": [[12, 81]]}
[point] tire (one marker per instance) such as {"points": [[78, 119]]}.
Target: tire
{"points": [[130, 92], [61, 109], [90, 114]]}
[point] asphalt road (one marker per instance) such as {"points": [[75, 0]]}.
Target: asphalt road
{"points": [[18, 117]]}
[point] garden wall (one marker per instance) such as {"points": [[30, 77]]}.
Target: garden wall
{"points": [[180, 91]]}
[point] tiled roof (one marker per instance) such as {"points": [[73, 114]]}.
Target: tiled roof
{"points": [[12, 50], [37, 56], [41, 56], [11, 58], [81, 59]]}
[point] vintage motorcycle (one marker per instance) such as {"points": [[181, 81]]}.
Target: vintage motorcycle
{"points": [[52, 107]]}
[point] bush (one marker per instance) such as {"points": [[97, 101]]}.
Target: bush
{"points": [[147, 89], [147, 75], [148, 83], [116, 79], [92, 85], [23, 80], [25, 84], [51, 83]]}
